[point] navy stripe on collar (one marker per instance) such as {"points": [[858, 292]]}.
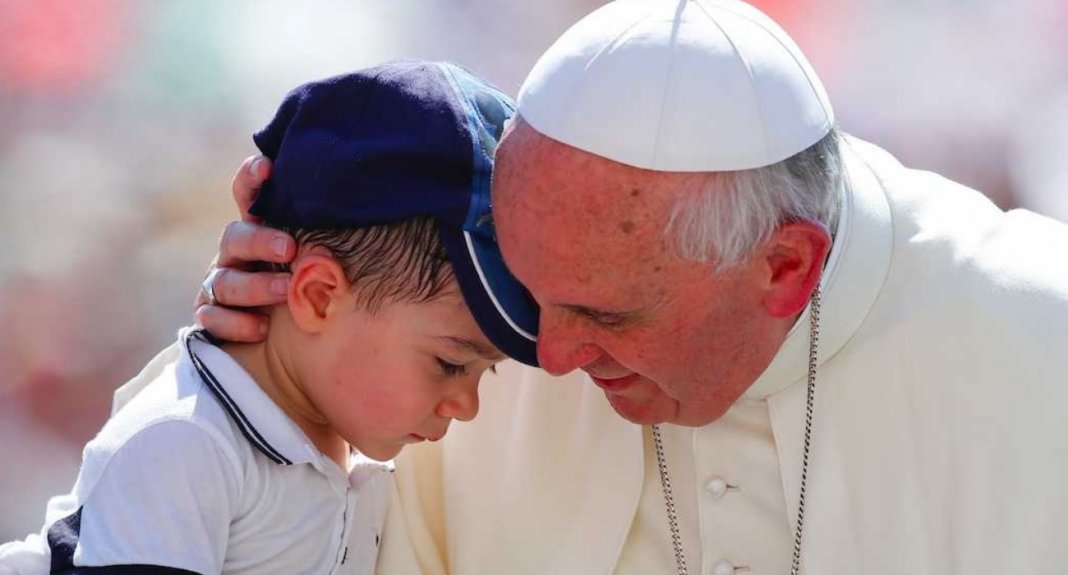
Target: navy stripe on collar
{"points": [[228, 403]]}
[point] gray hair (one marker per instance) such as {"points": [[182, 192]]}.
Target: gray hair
{"points": [[728, 214]]}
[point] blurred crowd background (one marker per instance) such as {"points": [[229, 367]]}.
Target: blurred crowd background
{"points": [[122, 121]]}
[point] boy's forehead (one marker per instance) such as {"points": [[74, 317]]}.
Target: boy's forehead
{"points": [[481, 347], [454, 325]]}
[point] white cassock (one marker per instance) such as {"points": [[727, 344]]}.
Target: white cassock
{"points": [[940, 441]]}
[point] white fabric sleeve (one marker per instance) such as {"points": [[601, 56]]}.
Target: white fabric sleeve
{"points": [[164, 498], [26, 557]]}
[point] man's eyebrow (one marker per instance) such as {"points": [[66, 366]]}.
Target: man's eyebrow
{"points": [[597, 313], [472, 346]]}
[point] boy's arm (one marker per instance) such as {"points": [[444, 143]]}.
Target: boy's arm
{"points": [[26, 557], [161, 502]]}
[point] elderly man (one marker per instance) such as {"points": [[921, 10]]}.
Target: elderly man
{"points": [[836, 364]]}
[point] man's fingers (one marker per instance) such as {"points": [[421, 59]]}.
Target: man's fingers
{"points": [[200, 301], [247, 182], [245, 242], [235, 288], [232, 325]]}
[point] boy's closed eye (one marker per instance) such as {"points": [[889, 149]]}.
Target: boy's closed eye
{"points": [[451, 369], [475, 351]]}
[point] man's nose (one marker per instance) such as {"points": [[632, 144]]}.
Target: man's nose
{"points": [[562, 346]]}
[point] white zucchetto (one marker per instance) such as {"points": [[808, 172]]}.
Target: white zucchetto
{"points": [[683, 85]]}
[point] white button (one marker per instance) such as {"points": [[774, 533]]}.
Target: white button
{"points": [[723, 567], [716, 487]]}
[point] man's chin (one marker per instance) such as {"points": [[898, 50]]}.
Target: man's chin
{"points": [[643, 411]]}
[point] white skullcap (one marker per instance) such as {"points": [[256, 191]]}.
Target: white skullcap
{"points": [[683, 85]]}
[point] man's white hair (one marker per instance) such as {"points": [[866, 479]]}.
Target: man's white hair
{"points": [[728, 214]]}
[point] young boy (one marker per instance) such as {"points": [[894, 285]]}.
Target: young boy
{"points": [[237, 458]]}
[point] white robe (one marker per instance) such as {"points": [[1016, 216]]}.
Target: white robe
{"points": [[940, 442]]}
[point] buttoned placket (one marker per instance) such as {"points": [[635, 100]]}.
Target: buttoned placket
{"points": [[710, 502], [741, 512], [338, 481], [346, 528], [716, 488]]}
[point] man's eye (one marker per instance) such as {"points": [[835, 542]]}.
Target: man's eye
{"points": [[606, 320], [451, 369]]}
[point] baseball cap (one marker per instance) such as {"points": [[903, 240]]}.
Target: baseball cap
{"points": [[683, 85], [397, 141]]}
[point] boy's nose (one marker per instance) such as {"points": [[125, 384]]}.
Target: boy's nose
{"points": [[462, 406]]}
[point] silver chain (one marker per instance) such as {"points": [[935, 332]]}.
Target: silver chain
{"points": [[665, 479], [669, 502]]}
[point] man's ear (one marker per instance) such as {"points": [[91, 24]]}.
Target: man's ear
{"points": [[792, 263], [318, 288]]}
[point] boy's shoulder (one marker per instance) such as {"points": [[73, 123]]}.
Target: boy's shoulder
{"points": [[176, 397], [199, 387], [175, 416]]}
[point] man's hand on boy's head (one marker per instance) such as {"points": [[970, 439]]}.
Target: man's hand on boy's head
{"points": [[246, 184], [243, 244]]}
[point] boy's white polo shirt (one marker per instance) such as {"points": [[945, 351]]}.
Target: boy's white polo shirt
{"points": [[202, 473]]}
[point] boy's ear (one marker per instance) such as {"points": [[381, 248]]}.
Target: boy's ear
{"points": [[792, 263], [318, 288]]}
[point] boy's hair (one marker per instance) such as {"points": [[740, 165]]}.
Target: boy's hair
{"points": [[398, 262]]}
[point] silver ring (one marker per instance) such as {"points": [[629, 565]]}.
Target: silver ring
{"points": [[208, 286]]}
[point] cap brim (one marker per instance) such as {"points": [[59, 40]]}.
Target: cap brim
{"points": [[502, 307]]}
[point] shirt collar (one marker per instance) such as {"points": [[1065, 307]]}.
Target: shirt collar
{"points": [[856, 269], [260, 420]]}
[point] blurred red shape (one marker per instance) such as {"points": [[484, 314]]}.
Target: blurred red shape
{"points": [[57, 47]]}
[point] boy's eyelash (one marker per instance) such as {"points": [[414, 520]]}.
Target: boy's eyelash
{"points": [[451, 369]]}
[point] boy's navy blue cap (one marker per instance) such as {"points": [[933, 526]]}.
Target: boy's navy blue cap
{"points": [[397, 141]]}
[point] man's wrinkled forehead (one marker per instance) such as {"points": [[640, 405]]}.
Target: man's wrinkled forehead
{"points": [[520, 144], [556, 205], [556, 183], [555, 179]]}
